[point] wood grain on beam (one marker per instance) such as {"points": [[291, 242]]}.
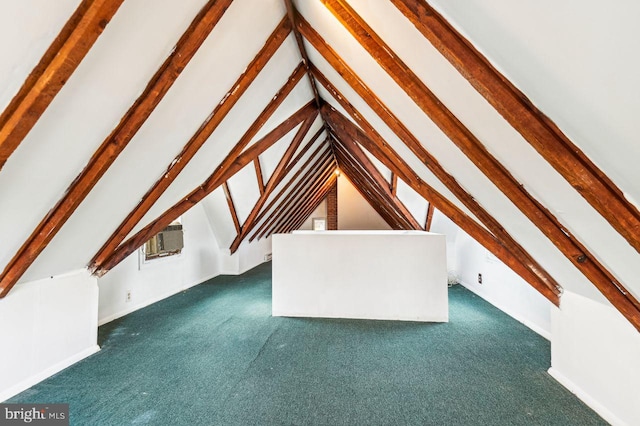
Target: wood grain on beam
{"points": [[232, 207], [432, 164], [259, 177], [274, 181], [429, 219], [529, 121], [54, 69], [349, 133], [575, 251], [310, 186], [199, 138], [377, 177], [291, 15], [290, 181], [115, 143], [300, 178], [237, 158]]}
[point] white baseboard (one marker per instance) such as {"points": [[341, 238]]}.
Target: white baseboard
{"points": [[144, 304], [586, 398], [37, 378]]}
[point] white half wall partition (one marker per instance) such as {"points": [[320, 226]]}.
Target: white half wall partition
{"points": [[390, 275]]}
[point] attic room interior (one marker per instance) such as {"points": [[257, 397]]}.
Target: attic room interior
{"points": [[154, 154]]}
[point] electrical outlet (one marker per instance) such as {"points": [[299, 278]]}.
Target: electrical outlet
{"points": [[479, 278], [128, 296]]}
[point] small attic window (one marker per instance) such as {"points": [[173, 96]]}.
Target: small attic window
{"points": [[168, 242]]}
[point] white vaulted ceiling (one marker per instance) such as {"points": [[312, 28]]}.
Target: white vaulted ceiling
{"points": [[572, 61]]}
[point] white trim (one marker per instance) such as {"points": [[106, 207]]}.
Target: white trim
{"points": [[532, 326], [37, 378], [586, 398], [109, 318]]}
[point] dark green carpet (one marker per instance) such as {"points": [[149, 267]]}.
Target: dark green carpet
{"points": [[214, 356]]}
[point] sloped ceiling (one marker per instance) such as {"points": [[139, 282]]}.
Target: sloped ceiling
{"points": [[121, 115]]}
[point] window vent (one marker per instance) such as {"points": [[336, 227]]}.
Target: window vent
{"points": [[167, 242]]}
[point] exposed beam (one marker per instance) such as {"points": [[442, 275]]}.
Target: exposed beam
{"points": [[429, 219], [54, 69], [313, 204], [115, 143], [232, 207], [194, 144], [349, 133], [529, 121], [308, 169], [575, 251], [292, 164], [380, 204], [289, 208], [305, 204], [396, 125], [259, 177], [274, 180], [394, 184], [516, 251], [291, 14], [233, 162], [377, 177]]}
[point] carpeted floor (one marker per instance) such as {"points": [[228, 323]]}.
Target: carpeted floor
{"points": [[213, 355]]}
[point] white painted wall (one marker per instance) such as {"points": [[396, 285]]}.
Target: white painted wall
{"points": [[391, 275], [320, 212], [595, 353], [45, 326], [500, 286], [354, 212]]}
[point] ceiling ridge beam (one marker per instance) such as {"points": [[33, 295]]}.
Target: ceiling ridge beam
{"points": [[535, 127], [233, 162], [396, 125], [115, 143], [275, 179], [304, 206], [542, 218], [56, 66], [194, 144], [275, 199], [309, 187], [364, 187], [291, 14], [309, 170], [371, 169], [516, 250], [350, 133]]}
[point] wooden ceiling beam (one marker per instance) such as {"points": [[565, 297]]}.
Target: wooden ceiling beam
{"points": [[274, 181], [322, 163], [349, 133], [115, 143], [371, 169], [379, 197], [291, 14], [304, 205], [199, 138], [540, 131], [232, 207], [237, 159], [312, 205], [310, 187], [52, 72], [517, 252], [429, 219], [293, 179], [464, 139], [377, 201]]}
